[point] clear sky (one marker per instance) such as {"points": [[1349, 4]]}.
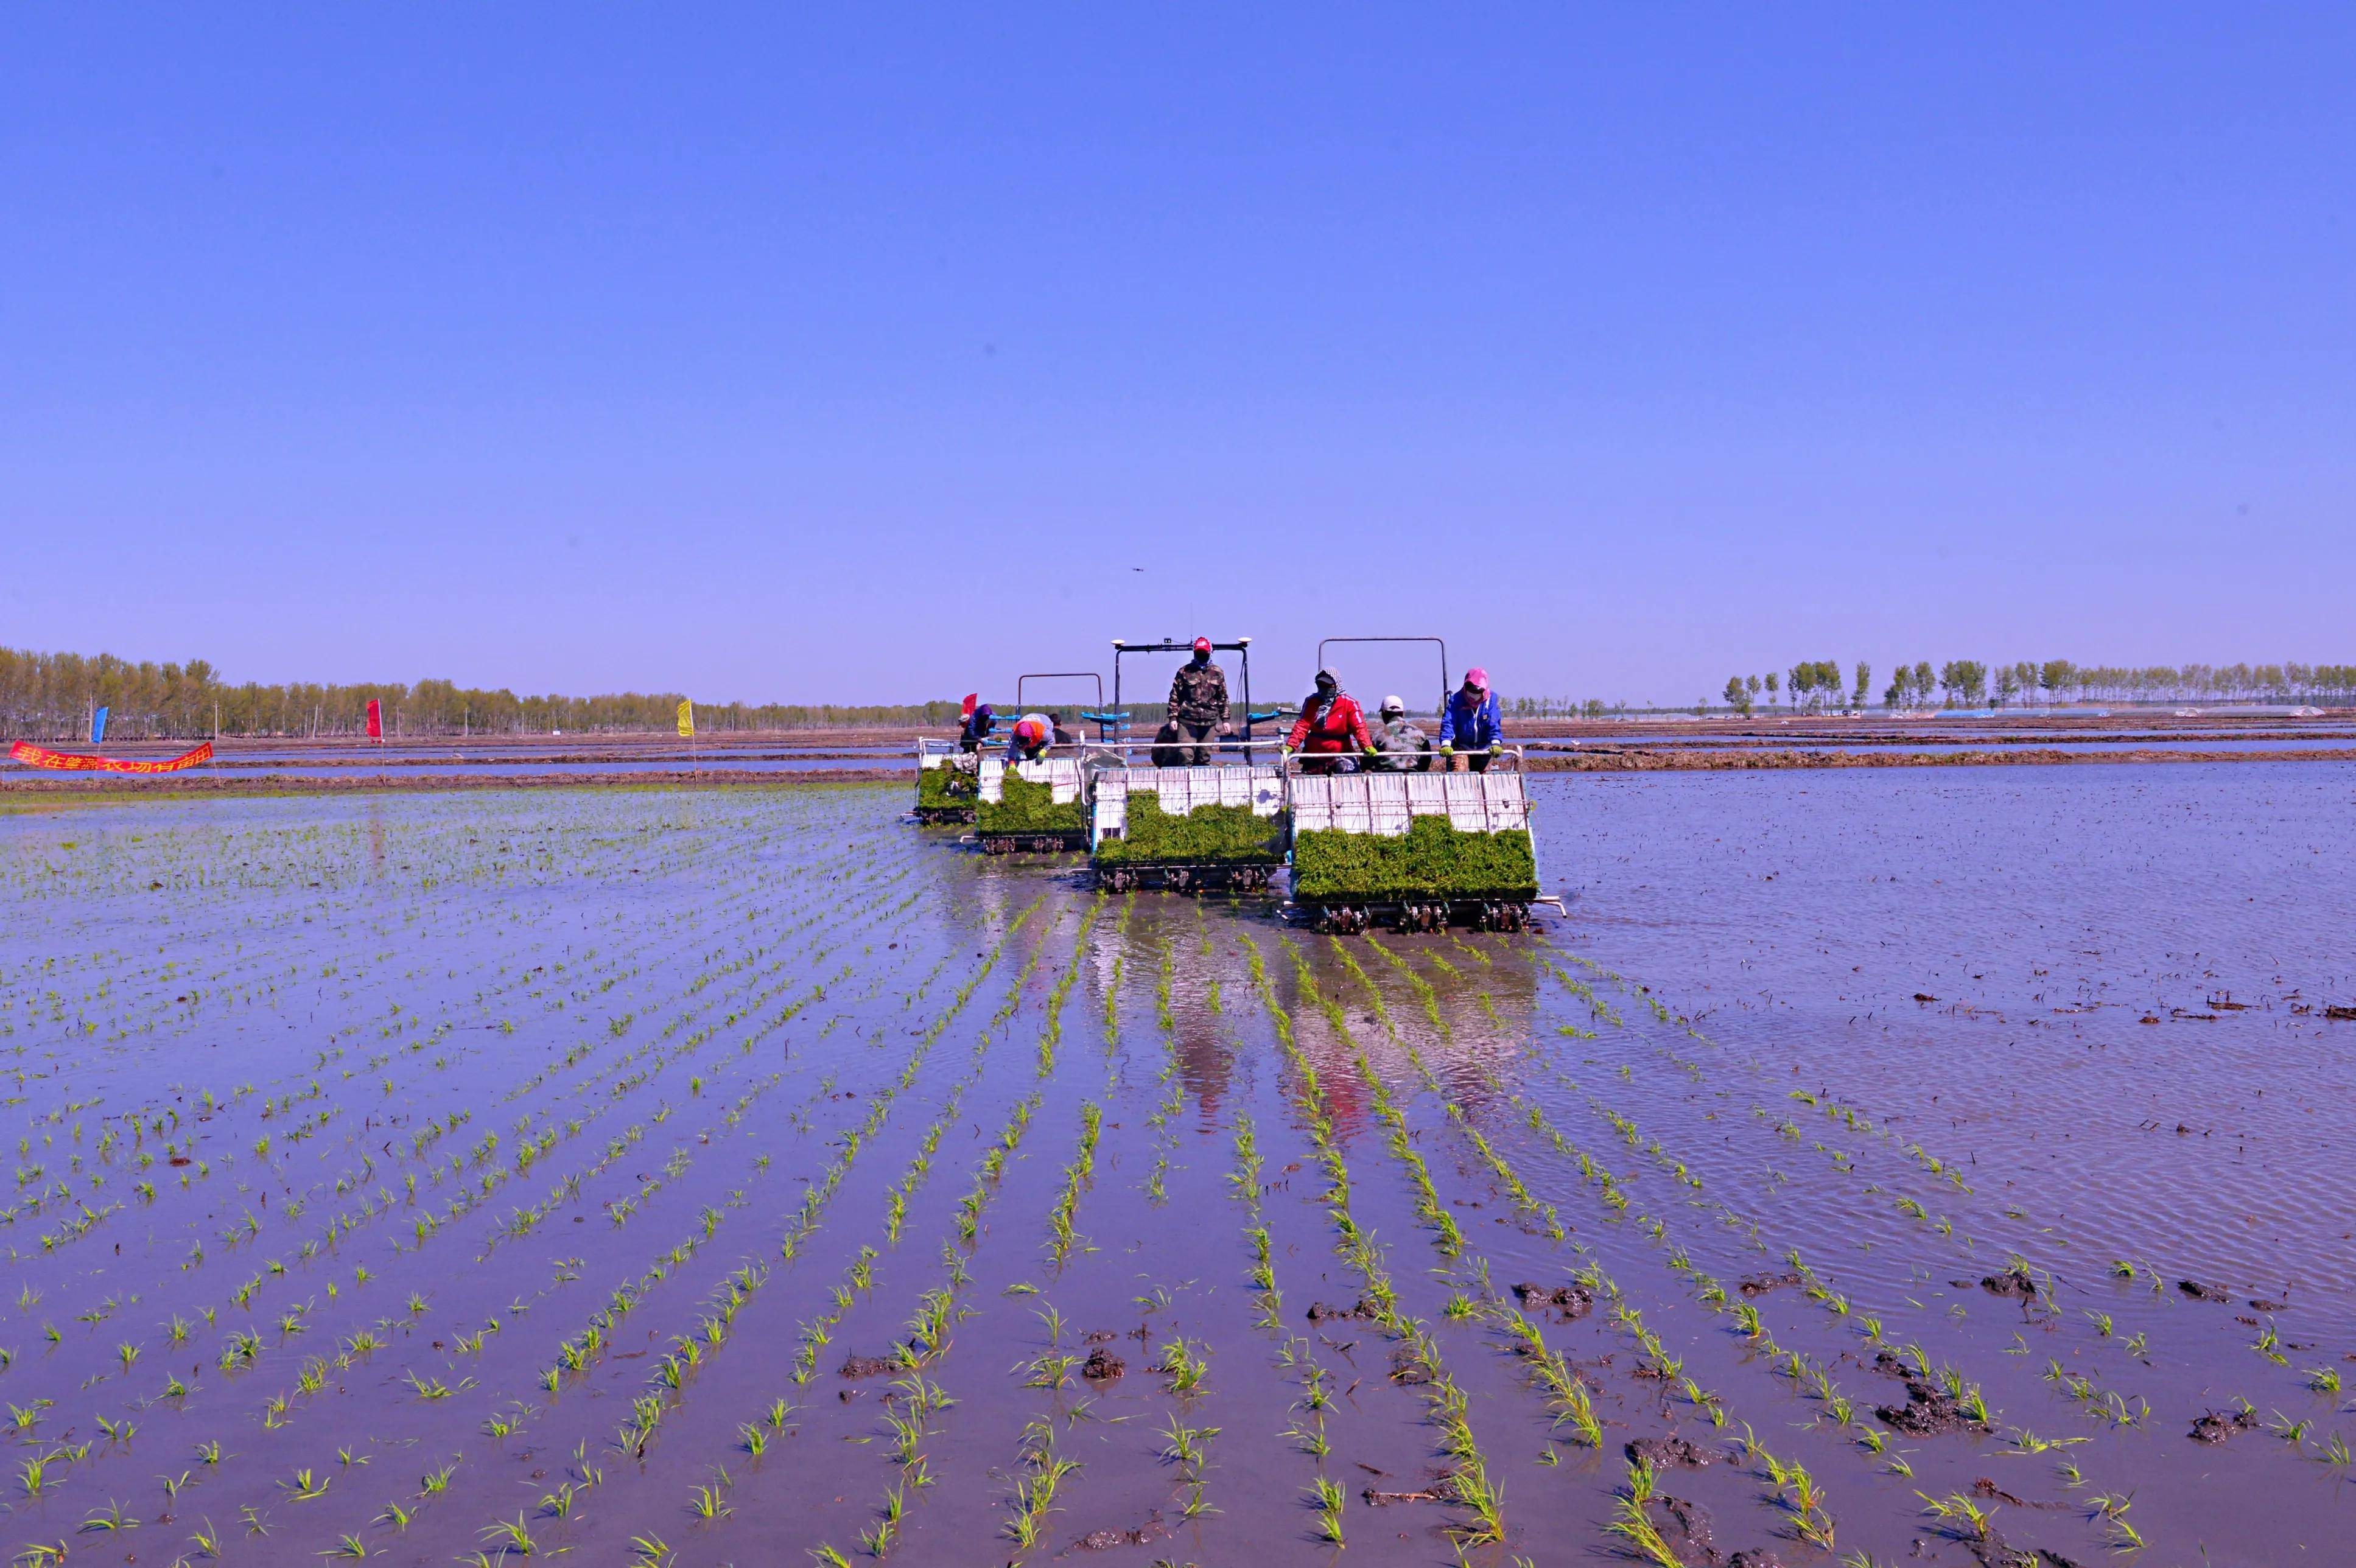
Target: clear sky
{"points": [[868, 352]]}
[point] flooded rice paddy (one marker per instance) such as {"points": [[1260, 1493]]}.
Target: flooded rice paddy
{"points": [[1877, 1168]]}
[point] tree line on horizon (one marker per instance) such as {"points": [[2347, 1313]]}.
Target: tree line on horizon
{"points": [[1815, 685], [49, 697]]}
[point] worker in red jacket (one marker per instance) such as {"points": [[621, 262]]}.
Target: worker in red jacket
{"points": [[1331, 724]]}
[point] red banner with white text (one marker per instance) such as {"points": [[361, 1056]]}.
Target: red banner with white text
{"points": [[34, 756]]}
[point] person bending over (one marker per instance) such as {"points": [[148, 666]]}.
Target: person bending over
{"points": [[979, 725], [1029, 740]]}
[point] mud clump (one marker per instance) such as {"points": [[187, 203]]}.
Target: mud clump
{"points": [[1405, 1369], [2218, 1426], [1151, 1530], [1667, 1453], [1362, 1311], [2200, 1292], [2013, 1284], [1102, 1366], [871, 1366], [1573, 1301], [1759, 1284], [1927, 1413], [1685, 1525]]}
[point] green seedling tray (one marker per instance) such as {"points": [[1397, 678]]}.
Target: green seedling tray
{"points": [[1433, 860]]}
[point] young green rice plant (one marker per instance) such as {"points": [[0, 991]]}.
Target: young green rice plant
{"points": [[1330, 1500], [511, 1536], [2113, 1512], [110, 1520], [709, 1501], [34, 1476], [1632, 1522], [1963, 1517], [1183, 1366], [306, 1484]]}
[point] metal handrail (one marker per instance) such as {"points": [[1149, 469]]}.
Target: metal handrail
{"points": [[1122, 646], [1361, 762], [1021, 702], [1441, 642]]}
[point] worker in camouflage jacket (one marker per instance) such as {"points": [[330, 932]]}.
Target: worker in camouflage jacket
{"points": [[1198, 704]]}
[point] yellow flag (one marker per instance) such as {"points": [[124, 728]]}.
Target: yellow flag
{"points": [[686, 721]]}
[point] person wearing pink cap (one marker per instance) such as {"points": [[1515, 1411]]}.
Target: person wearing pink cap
{"points": [[1032, 735], [1471, 731]]}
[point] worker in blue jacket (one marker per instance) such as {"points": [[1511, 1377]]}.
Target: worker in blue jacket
{"points": [[1470, 730]]}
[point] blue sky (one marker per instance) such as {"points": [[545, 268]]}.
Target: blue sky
{"points": [[866, 353]]}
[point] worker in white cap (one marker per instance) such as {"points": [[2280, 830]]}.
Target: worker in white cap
{"points": [[1402, 745]]}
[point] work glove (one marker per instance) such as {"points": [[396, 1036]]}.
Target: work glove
{"points": [[1448, 749], [1372, 752], [1494, 749]]}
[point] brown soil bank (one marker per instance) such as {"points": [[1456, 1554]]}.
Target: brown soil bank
{"points": [[1638, 761], [400, 783], [1598, 761]]}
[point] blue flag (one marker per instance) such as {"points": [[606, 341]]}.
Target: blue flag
{"points": [[98, 727]]}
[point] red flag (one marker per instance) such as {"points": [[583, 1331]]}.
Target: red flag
{"points": [[971, 697], [376, 722]]}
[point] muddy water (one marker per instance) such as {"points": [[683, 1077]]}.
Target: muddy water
{"points": [[563, 1152]]}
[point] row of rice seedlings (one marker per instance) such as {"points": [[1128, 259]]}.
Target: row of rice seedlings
{"points": [[1077, 1176], [817, 1332], [314, 1372], [1815, 1378], [914, 1398], [1566, 1395], [324, 1057], [1161, 1121], [1051, 1034], [526, 1156], [689, 1351], [2110, 1405], [1112, 1029], [315, 1369], [507, 1421], [1446, 1405]]}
